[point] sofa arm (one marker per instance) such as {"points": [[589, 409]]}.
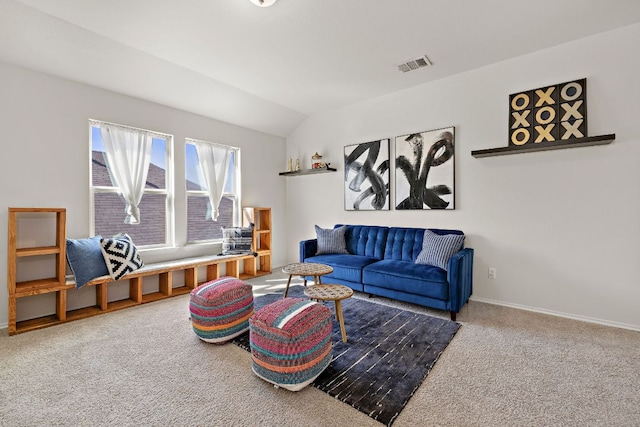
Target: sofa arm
{"points": [[460, 277], [308, 248]]}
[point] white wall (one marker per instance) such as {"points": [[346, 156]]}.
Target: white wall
{"points": [[44, 160], [561, 227]]}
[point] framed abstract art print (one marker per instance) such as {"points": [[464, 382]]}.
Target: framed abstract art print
{"points": [[366, 176], [425, 170]]}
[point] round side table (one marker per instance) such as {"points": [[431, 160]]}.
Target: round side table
{"points": [[335, 293], [306, 269]]}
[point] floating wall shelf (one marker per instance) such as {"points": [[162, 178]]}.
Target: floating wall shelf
{"points": [[545, 146], [308, 171]]}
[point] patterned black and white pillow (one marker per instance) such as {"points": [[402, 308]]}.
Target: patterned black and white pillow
{"points": [[120, 255]]}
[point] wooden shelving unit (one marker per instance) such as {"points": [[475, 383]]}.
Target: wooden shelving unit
{"points": [[308, 171], [545, 146], [54, 283], [243, 266], [261, 244]]}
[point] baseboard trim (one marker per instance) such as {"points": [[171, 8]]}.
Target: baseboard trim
{"points": [[559, 314], [527, 308]]}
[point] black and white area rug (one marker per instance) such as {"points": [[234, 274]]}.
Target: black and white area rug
{"points": [[388, 353]]}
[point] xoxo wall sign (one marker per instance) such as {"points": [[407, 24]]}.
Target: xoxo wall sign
{"points": [[552, 113]]}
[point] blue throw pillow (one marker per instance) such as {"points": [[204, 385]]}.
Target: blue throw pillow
{"points": [[85, 259], [437, 249], [120, 255], [331, 241]]}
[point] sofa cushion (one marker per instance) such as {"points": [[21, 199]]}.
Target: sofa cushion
{"points": [[406, 276], [331, 241], [404, 244], [366, 240], [437, 249], [345, 267]]}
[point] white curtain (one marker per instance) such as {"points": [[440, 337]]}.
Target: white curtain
{"points": [[128, 154], [214, 164]]}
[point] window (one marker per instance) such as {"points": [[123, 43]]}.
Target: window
{"points": [[109, 207], [200, 225]]}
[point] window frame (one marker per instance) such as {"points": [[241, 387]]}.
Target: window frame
{"points": [[235, 195], [168, 191]]}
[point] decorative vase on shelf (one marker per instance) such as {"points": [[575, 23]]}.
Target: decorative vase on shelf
{"points": [[297, 164], [290, 165]]}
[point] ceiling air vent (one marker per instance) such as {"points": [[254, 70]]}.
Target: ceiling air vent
{"points": [[415, 64]]}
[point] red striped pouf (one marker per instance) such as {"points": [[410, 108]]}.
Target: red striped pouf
{"points": [[290, 342], [220, 309]]}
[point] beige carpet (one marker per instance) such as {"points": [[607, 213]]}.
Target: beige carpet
{"points": [[144, 366]]}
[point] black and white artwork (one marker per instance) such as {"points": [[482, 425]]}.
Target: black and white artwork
{"points": [[425, 170], [366, 176]]}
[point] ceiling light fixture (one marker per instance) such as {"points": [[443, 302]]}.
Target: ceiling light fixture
{"points": [[263, 3]]}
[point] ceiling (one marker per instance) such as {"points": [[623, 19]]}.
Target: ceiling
{"points": [[269, 68]]}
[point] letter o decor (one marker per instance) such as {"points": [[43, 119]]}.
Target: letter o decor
{"points": [[540, 116], [520, 136], [520, 101], [566, 95]]}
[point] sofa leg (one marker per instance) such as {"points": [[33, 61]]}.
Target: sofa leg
{"points": [[453, 315]]}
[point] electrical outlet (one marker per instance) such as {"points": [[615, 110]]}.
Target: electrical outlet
{"points": [[492, 273]]}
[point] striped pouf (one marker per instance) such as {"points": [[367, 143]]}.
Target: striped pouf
{"points": [[290, 342], [220, 309]]}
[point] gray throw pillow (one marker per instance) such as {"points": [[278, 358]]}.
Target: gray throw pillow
{"points": [[331, 241], [437, 249]]}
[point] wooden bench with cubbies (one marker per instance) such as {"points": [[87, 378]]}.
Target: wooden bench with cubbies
{"points": [[243, 266]]}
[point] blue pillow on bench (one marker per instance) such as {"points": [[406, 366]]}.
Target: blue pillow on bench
{"points": [[85, 259]]}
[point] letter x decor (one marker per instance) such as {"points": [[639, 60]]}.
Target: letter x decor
{"points": [[548, 118], [551, 113]]}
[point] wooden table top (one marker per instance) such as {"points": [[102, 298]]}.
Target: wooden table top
{"points": [[307, 269], [328, 292]]}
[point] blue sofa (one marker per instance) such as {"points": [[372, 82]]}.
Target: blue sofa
{"points": [[381, 261]]}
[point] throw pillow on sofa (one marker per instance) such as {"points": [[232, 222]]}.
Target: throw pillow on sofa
{"points": [[437, 249], [120, 255], [85, 259], [331, 241]]}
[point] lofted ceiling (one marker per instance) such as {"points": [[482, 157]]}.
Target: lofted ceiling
{"points": [[269, 68]]}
